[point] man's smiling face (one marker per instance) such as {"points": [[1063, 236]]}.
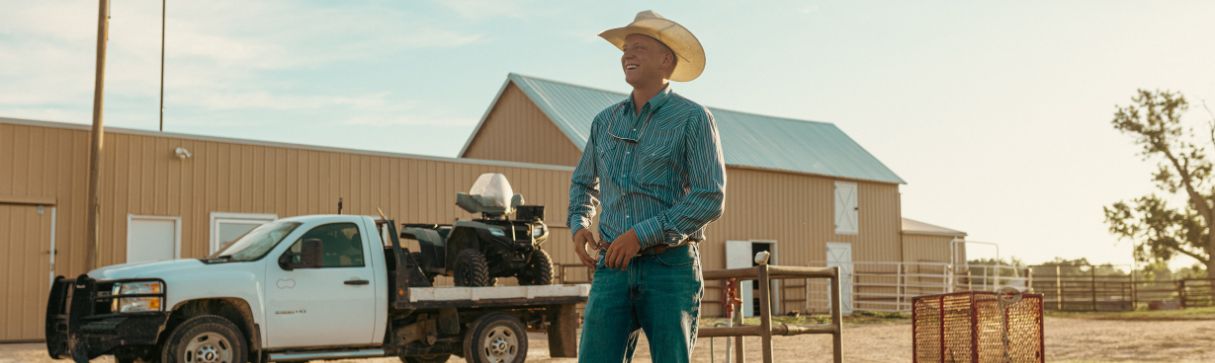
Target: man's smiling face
{"points": [[645, 60]]}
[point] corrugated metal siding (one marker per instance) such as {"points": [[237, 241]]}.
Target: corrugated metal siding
{"points": [[141, 175], [516, 130], [748, 140], [796, 211], [929, 248]]}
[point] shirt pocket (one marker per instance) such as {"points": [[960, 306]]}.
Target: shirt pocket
{"points": [[604, 150], [658, 154]]}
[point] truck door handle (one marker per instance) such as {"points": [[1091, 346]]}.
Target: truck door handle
{"points": [[357, 282]]}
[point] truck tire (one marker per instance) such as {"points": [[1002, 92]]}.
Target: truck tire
{"points": [[471, 269], [496, 338], [539, 271], [427, 358], [205, 338]]}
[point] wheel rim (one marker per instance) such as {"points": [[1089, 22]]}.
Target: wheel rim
{"points": [[500, 344], [208, 348]]}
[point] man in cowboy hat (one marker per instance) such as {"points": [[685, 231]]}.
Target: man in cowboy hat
{"points": [[654, 160]]}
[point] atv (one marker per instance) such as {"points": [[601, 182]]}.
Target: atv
{"points": [[504, 242]]}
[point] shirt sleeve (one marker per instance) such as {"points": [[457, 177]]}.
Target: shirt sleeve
{"points": [[706, 178], [584, 187]]}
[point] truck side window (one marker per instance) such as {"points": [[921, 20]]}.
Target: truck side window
{"points": [[341, 243]]}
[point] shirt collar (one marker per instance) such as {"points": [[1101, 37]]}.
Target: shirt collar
{"points": [[655, 102]]}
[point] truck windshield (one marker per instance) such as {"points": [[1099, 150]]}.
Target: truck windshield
{"points": [[256, 243]]}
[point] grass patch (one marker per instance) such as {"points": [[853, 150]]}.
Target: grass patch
{"points": [[1206, 313], [857, 318]]}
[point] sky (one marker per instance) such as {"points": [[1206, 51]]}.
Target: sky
{"points": [[997, 113]]}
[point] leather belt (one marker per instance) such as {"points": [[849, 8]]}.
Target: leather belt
{"points": [[660, 248]]}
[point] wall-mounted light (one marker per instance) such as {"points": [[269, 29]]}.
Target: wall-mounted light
{"points": [[182, 153]]}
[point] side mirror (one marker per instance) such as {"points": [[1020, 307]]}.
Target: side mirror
{"points": [[311, 252]]}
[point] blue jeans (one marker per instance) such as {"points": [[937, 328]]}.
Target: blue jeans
{"points": [[658, 294]]}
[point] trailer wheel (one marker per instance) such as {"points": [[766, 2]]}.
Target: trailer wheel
{"points": [[205, 339], [471, 269], [539, 271], [427, 358], [496, 338]]}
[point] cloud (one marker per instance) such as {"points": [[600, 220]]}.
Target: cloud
{"points": [[220, 56]]}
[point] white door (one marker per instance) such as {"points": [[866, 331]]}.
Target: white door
{"points": [[338, 296], [840, 254], [738, 255], [846, 221], [152, 238], [227, 227]]}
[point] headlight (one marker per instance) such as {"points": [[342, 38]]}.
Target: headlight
{"points": [[138, 300], [538, 231]]}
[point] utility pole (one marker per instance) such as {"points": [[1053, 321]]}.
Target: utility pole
{"points": [[163, 5], [94, 212]]}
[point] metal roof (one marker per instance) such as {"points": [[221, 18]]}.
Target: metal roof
{"points": [[748, 140], [916, 227]]}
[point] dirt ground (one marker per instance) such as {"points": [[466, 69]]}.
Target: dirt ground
{"points": [[1067, 340]]}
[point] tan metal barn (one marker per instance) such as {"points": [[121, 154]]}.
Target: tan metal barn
{"points": [[175, 207], [803, 189], [823, 200]]}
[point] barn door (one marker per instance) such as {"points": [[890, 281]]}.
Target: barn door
{"points": [[25, 239], [840, 255], [845, 208]]}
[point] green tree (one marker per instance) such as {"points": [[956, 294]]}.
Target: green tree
{"points": [[1161, 231]]}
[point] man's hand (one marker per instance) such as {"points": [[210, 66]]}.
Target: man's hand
{"points": [[622, 250], [581, 240]]}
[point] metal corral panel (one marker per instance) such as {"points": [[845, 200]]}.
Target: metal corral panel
{"points": [[748, 140]]}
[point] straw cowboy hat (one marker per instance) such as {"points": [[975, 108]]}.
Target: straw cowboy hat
{"points": [[691, 55]]}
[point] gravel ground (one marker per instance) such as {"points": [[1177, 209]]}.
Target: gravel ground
{"points": [[1067, 340]]}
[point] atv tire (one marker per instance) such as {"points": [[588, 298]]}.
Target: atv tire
{"points": [[471, 269], [539, 271]]}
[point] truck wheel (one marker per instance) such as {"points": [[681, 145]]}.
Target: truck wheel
{"points": [[496, 338], [427, 358], [205, 339], [539, 271], [471, 269]]}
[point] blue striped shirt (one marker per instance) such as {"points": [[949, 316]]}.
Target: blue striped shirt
{"points": [[659, 172]]}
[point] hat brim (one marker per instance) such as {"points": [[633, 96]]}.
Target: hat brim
{"points": [[681, 41]]}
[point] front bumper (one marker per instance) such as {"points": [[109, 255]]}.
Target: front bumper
{"points": [[80, 325]]}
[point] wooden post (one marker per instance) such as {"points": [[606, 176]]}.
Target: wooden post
{"points": [[92, 223], [765, 312], [1134, 293], [1181, 292], [836, 319], [1092, 272], [1058, 290], [563, 331], [739, 350]]}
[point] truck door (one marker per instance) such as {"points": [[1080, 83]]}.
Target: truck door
{"points": [[333, 304]]}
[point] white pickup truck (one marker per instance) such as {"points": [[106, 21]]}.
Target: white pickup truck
{"points": [[302, 288]]}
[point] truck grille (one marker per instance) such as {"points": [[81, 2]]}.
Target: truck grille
{"points": [[102, 300]]}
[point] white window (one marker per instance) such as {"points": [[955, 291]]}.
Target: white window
{"points": [[846, 221], [227, 227], [153, 238]]}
